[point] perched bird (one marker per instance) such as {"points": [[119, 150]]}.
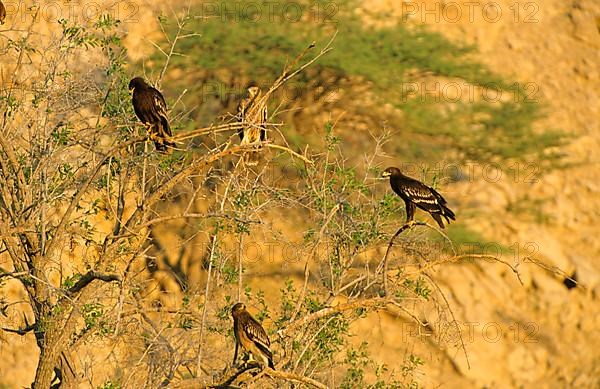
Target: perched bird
{"points": [[253, 117], [251, 336], [2, 13], [150, 107], [416, 194]]}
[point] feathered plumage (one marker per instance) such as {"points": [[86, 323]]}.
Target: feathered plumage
{"points": [[253, 116], [416, 194], [251, 336], [150, 107]]}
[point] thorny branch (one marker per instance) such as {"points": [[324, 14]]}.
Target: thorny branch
{"points": [[266, 372]]}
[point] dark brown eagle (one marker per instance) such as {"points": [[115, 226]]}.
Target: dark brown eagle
{"points": [[251, 336], [252, 113], [416, 194], [2, 13], [150, 107]]}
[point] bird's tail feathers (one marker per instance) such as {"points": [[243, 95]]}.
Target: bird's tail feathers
{"points": [[161, 137], [266, 355], [160, 147], [438, 219], [448, 214]]}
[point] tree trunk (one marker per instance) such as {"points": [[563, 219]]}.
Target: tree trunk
{"points": [[54, 357], [68, 370], [46, 365]]}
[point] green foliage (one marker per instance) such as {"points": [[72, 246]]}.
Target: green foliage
{"points": [[359, 360], [258, 45], [61, 134], [531, 209], [223, 315], [229, 273], [70, 281], [288, 303], [380, 55], [329, 340], [257, 300], [468, 241], [419, 287], [343, 204], [410, 366], [94, 318], [224, 312], [169, 163], [110, 385], [185, 322], [77, 36]]}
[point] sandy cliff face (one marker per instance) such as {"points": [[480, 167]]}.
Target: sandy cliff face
{"points": [[546, 331]]}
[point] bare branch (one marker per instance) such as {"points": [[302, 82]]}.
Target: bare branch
{"points": [[458, 258], [288, 150], [207, 130], [90, 276], [226, 383], [555, 270], [309, 258], [19, 331], [293, 378], [384, 262], [454, 321], [82, 190], [15, 274], [330, 311]]}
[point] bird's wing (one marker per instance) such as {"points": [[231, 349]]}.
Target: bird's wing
{"points": [[243, 106], [439, 197], [420, 194], [263, 129], [160, 106], [256, 334], [159, 102], [264, 114]]}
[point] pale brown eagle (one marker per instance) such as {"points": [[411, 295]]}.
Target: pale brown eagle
{"points": [[251, 336], [150, 107], [252, 113], [416, 194]]}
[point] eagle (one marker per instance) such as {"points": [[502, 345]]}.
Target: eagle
{"points": [[150, 107], [2, 13], [253, 116], [416, 194], [251, 336]]}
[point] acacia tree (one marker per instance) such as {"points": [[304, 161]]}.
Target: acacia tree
{"points": [[53, 154], [77, 188]]}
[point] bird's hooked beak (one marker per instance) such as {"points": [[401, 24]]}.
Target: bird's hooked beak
{"points": [[385, 175]]}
